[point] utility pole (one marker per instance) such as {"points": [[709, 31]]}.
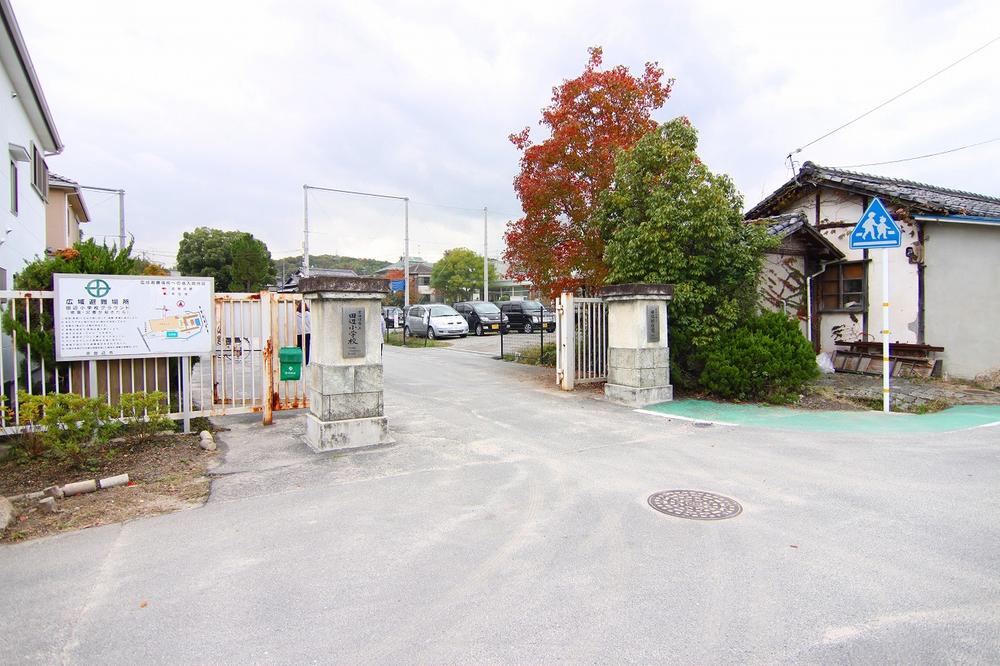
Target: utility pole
{"points": [[122, 235], [305, 231], [121, 218], [406, 253], [486, 260]]}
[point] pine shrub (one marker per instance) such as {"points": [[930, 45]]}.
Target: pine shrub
{"points": [[766, 359]]}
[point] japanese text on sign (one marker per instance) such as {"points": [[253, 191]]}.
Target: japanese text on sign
{"points": [[353, 333], [115, 316]]}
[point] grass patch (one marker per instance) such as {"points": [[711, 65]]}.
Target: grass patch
{"points": [[396, 340], [530, 356]]}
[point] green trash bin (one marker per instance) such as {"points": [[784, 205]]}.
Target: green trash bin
{"points": [[290, 359]]}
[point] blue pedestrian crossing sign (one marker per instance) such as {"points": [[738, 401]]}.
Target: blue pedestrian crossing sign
{"points": [[876, 229]]}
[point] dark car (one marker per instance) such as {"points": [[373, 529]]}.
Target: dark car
{"points": [[482, 317], [528, 316], [393, 316]]}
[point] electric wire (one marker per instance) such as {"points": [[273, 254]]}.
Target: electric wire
{"points": [[918, 157], [894, 98]]}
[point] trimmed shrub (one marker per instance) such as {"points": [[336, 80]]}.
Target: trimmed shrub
{"points": [[766, 359], [75, 426], [145, 413]]}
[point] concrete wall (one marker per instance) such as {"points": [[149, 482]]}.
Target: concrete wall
{"points": [[961, 281], [59, 221]]}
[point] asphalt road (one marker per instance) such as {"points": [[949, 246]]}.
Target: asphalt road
{"points": [[510, 524]]}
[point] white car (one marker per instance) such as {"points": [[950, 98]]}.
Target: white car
{"points": [[435, 321]]}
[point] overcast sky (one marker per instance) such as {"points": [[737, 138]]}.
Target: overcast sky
{"points": [[216, 113]]}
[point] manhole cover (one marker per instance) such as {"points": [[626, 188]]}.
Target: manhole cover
{"points": [[694, 504]]}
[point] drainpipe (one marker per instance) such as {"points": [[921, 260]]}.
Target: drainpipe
{"points": [[809, 301]]}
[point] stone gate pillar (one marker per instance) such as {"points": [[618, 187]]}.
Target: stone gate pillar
{"points": [[638, 353], [345, 365]]}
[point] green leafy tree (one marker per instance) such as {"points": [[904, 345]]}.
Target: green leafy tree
{"points": [[237, 260], [253, 268], [84, 257], [459, 273], [667, 218], [288, 265]]}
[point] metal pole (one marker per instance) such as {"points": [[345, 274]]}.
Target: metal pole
{"points": [[305, 231], [885, 331], [121, 219], [406, 254], [486, 261], [186, 392], [92, 379]]}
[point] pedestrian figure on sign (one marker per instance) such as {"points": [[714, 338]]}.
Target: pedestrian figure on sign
{"points": [[882, 227], [869, 226]]}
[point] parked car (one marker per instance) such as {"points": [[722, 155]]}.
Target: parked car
{"points": [[528, 316], [482, 317], [435, 321], [393, 316]]}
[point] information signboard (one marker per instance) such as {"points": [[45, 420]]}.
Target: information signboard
{"points": [[126, 316]]}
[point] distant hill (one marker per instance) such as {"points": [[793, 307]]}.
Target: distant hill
{"points": [[288, 265]]}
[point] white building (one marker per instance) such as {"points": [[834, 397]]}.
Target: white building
{"points": [[30, 134], [27, 128], [943, 280]]}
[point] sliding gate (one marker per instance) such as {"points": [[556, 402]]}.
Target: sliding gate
{"points": [[242, 374], [582, 341]]}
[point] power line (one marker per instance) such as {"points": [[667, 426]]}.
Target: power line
{"points": [[893, 99], [919, 157]]}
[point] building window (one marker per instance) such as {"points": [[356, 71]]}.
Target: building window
{"points": [[844, 287], [13, 187], [39, 173]]}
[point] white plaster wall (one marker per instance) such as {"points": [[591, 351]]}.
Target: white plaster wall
{"points": [[838, 207], [777, 283], [805, 204], [22, 237], [962, 301]]}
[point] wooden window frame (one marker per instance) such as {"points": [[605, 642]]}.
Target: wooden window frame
{"points": [[839, 268], [39, 173]]}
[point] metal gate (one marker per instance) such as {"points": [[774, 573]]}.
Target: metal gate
{"points": [[582, 341], [239, 376], [242, 374]]}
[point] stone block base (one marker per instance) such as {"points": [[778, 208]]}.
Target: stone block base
{"points": [[346, 434], [638, 397]]}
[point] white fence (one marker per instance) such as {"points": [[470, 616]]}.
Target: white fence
{"points": [[582, 341], [241, 374]]}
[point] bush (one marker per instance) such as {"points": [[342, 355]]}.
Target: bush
{"points": [[529, 355], [74, 426], [145, 413], [30, 410], [766, 359]]}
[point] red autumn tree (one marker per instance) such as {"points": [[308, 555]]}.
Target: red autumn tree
{"points": [[591, 118]]}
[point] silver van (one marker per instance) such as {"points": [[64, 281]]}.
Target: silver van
{"points": [[435, 321]]}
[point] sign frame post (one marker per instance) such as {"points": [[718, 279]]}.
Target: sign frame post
{"points": [[886, 364], [877, 230]]}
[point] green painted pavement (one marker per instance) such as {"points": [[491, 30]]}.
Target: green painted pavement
{"points": [[766, 416]]}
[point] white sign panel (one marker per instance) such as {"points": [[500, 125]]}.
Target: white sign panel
{"points": [[126, 316]]}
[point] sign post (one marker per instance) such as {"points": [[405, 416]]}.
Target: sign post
{"points": [[877, 230]]}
